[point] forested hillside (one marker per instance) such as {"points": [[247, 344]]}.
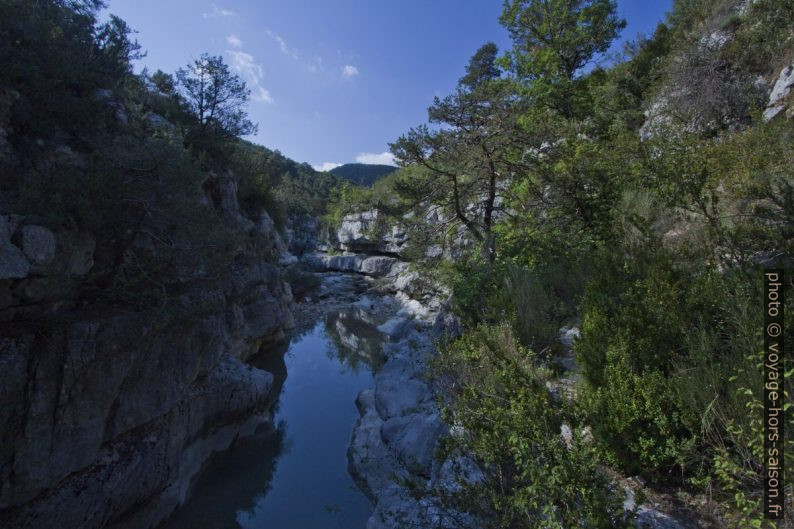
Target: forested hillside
{"points": [[363, 174], [638, 202]]}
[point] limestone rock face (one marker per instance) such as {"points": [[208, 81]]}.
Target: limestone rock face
{"points": [[377, 265], [778, 98], [399, 428], [353, 233], [361, 232], [151, 465], [107, 412], [302, 232], [13, 264], [414, 439], [374, 265], [120, 399], [81, 257], [7, 100]]}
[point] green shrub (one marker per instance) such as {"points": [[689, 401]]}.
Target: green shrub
{"points": [[637, 418], [510, 426]]}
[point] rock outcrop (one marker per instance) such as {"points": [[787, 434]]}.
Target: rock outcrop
{"points": [[374, 265], [302, 234], [395, 439], [779, 98], [365, 232], [394, 443], [106, 412]]}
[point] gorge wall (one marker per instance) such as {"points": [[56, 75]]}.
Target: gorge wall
{"points": [[107, 411]]}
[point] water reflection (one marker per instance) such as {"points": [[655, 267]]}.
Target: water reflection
{"points": [[357, 341], [295, 475], [244, 473]]}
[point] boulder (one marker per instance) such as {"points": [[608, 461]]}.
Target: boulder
{"points": [[371, 462], [413, 437], [397, 392], [13, 264], [38, 244]]}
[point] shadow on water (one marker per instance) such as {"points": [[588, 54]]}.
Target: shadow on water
{"points": [[240, 477], [294, 475]]}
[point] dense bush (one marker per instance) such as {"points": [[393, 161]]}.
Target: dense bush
{"points": [[528, 475]]}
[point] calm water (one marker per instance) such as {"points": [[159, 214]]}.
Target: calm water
{"points": [[294, 475]]}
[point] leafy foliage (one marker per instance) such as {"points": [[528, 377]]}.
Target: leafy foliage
{"points": [[553, 40], [123, 158], [283, 187], [465, 158], [527, 475], [217, 98]]}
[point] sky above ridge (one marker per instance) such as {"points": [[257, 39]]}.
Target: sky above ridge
{"points": [[334, 81]]}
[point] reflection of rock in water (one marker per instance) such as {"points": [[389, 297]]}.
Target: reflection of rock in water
{"points": [[356, 337], [245, 472], [272, 361]]}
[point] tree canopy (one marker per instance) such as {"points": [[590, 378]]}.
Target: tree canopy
{"points": [[217, 98], [553, 40], [466, 157]]}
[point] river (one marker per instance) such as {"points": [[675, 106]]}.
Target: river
{"points": [[293, 472]]}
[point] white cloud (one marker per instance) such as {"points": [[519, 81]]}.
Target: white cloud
{"points": [[261, 95], [245, 65], [234, 40], [218, 12], [282, 45], [384, 158], [349, 71], [327, 166], [252, 72]]}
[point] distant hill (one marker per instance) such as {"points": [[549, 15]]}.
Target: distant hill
{"points": [[363, 174]]}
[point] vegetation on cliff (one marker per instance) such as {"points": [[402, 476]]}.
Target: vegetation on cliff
{"points": [[150, 164], [639, 201]]}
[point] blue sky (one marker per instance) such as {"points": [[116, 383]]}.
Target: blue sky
{"points": [[333, 81]]}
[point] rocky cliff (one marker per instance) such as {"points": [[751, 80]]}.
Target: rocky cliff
{"points": [[106, 410]]}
